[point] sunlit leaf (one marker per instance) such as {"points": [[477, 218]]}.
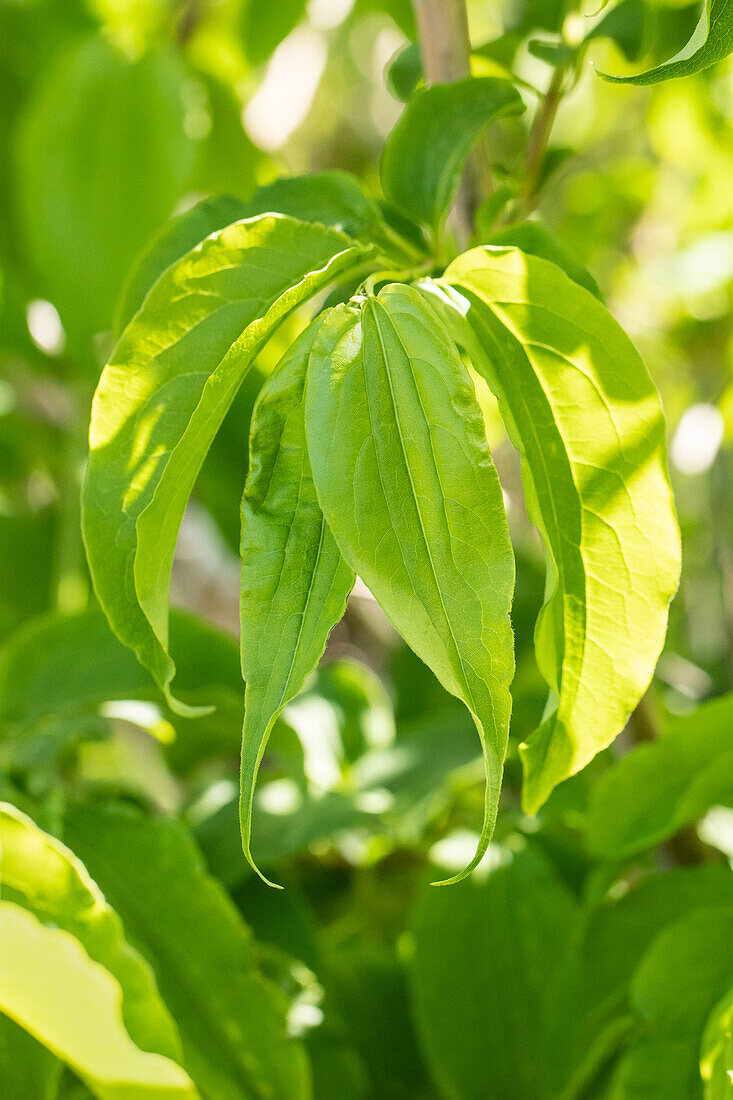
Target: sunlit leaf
{"points": [[68, 972], [405, 480], [232, 1021], [716, 1055], [161, 399], [294, 579], [580, 407]]}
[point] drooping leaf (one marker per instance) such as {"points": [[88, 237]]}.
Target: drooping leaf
{"points": [[483, 955], [711, 42], [425, 153], [580, 407], [657, 788], [232, 1020], [673, 1003], [588, 995], [164, 394], [294, 579], [407, 486], [84, 217], [67, 971]]}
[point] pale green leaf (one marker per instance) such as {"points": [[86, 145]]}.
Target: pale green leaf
{"points": [[232, 1021], [408, 488], [656, 789], [716, 1056], [678, 983], [68, 970], [712, 40], [581, 408], [294, 579], [536, 239], [84, 217], [483, 955], [424, 155], [164, 394], [50, 985]]}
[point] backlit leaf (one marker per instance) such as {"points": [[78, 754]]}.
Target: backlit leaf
{"points": [[294, 579], [164, 394], [67, 971], [232, 1020], [580, 407], [407, 485]]}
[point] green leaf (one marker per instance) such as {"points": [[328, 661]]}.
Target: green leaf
{"points": [[404, 71], [27, 1069], [333, 199], [716, 1057], [408, 488], [625, 25], [424, 155], [175, 239], [685, 972], [62, 663], [294, 581], [84, 977], [487, 950], [587, 997], [164, 394], [581, 409], [536, 240], [264, 26], [232, 1021], [657, 788], [84, 218], [712, 40]]}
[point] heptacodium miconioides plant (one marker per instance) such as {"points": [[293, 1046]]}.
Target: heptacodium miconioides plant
{"points": [[368, 452]]}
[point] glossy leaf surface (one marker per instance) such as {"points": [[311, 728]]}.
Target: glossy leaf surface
{"points": [[294, 579], [164, 394], [580, 407], [407, 485]]}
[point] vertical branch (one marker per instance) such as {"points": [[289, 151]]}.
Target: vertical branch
{"points": [[445, 47]]}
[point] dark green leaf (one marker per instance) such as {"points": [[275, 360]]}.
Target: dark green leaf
{"points": [[231, 1020], [404, 71], [405, 480], [483, 955], [425, 153], [536, 240]]}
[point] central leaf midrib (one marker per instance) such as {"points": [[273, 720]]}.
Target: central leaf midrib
{"points": [[425, 540]]}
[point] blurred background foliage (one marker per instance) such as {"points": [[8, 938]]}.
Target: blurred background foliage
{"points": [[116, 115]]}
